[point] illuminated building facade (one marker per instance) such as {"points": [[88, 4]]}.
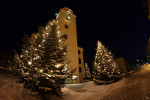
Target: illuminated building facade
{"points": [[67, 24]]}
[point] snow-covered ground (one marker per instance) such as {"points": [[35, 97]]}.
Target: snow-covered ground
{"points": [[126, 89], [135, 87], [10, 90]]}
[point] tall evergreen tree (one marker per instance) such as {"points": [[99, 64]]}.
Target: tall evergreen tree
{"points": [[54, 58], [43, 60], [105, 69]]}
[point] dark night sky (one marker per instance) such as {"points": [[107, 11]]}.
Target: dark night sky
{"points": [[121, 25]]}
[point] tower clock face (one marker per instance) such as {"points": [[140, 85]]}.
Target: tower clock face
{"points": [[68, 13]]}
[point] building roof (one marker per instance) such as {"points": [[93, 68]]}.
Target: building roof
{"points": [[67, 9]]}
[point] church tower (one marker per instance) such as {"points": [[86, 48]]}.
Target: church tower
{"points": [[67, 24]]}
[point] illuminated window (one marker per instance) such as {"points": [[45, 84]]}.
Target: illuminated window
{"points": [[65, 36], [74, 77], [66, 26], [80, 69], [79, 60]]}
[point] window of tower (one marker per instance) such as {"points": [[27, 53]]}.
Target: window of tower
{"points": [[65, 36], [80, 69], [74, 77], [79, 52], [79, 60], [66, 26]]}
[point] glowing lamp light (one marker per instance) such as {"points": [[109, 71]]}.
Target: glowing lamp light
{"points": [[29, 63], [59, 40], [39, 45], [49, 75], [65, 69], [68, 18], [56, 14], [41, 70], [58, 65]]}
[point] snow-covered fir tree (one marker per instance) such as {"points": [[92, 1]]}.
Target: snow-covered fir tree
{"points": [[105, 69], [41, 65]]}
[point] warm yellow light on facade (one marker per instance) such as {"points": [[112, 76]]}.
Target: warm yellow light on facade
{"points": [[67, 23]]}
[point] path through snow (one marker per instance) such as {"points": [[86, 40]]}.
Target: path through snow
{"points": [[136, 87]]}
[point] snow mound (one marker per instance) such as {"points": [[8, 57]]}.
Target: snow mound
{"points": [[135, 87], [89, 90], [10, 90], [145, 67], [100, 91]]}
